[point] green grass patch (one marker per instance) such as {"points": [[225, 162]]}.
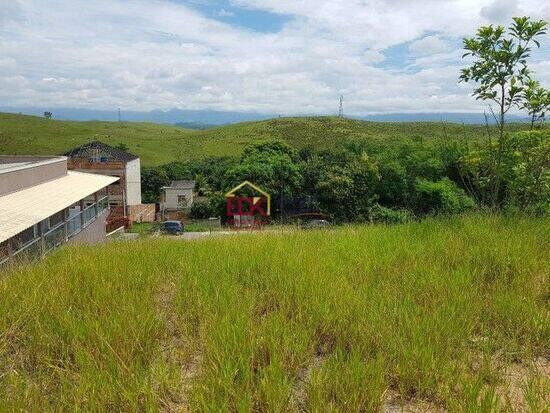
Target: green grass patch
{"points": [[289, 321], [143, 228]]}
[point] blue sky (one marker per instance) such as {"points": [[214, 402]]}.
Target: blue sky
{"points": [[268, 56], [227, 12]]}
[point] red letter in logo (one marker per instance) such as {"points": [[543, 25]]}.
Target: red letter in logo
{"points": [[257, 207], [229, 206]]}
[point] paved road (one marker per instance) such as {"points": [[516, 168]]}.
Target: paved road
{"points": [[199, 235]]}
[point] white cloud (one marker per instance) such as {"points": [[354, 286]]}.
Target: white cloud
{"points": [[225, 13], [145, 54], [500, 11], [9, 10]]}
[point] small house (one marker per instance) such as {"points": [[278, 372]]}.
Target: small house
{"points": [[177, 197]]}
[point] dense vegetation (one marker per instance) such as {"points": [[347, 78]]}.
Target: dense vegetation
{"points": [[439, 314], [159, 144], [349, 170], [375, 179]]}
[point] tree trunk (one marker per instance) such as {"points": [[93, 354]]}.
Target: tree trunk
{"points": [[498, 166]]}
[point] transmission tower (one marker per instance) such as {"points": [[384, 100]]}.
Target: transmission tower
{"points": [[341, 110], [119, 117]]}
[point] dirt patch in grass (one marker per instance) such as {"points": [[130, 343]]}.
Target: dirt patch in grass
{"points": [[394, 403], [526, 386], [303, 378], [177, 354]]}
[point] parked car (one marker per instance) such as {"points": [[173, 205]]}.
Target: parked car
{"points": [[172, 227], [316, 223]]}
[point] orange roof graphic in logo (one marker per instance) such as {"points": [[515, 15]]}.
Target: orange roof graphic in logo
{"points": [[256, 199]]}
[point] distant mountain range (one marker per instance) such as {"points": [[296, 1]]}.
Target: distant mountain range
{"points": [[466, 118], [172, 116], [195, 125], [204, 119]]}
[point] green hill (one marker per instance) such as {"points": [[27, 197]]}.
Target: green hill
{"points": [[157, 144]]}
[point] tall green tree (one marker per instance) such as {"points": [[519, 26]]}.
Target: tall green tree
{"points": [[152, 180], [501, 72], [273, 165]]}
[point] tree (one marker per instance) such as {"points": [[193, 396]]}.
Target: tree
{"points": [[201, 210], [536, 101], [529, 172], [273, 166], [152, 180], [500, 69], [347, 192]]}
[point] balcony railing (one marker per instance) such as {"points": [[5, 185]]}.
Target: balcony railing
{"points": [[58, 234]]}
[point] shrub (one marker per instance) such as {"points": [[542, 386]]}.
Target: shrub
{"points": [[117, 222], [440, 197], [381, 214], [201, 210]]}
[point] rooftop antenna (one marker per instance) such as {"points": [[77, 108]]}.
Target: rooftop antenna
{"points": [[341, 110], [119, 117]]}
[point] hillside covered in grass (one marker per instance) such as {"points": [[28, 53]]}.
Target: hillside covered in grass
{"points": [[158, 144], [31, 135], [442, 314]]}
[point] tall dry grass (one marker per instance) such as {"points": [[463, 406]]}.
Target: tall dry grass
{"points": [[300, 321]]}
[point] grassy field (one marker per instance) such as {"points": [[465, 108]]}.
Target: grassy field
{"points": [[442, 314], [157, 144]]}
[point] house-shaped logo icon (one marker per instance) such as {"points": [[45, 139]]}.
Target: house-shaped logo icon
{"points": [[243, 210]]}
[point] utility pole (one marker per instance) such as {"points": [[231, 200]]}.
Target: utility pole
{"points": [[341, 110]]}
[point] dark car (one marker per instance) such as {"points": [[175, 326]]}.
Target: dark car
{"points": [[316, 223], [172, 227]]}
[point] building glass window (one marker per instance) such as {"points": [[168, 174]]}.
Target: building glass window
{"points": [[57, 218], [24, 237], [95, 156], [4, 252]]}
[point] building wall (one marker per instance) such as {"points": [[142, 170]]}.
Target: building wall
{"points": [[133, 182], [113, 168], [142, 213], [94, 233], [31, 176], [170, 198]]}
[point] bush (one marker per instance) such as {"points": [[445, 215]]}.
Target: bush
{"points": [[117, 222], [440, 197], [201, 210], [380, 214]]}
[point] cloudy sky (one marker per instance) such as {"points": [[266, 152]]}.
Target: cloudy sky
{"points": [[277, 56]]}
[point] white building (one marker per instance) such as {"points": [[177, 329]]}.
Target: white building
{"points": [[177, 197], [43, 205]]}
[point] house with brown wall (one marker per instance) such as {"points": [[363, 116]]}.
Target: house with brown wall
{"points": [[125, 195]]}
